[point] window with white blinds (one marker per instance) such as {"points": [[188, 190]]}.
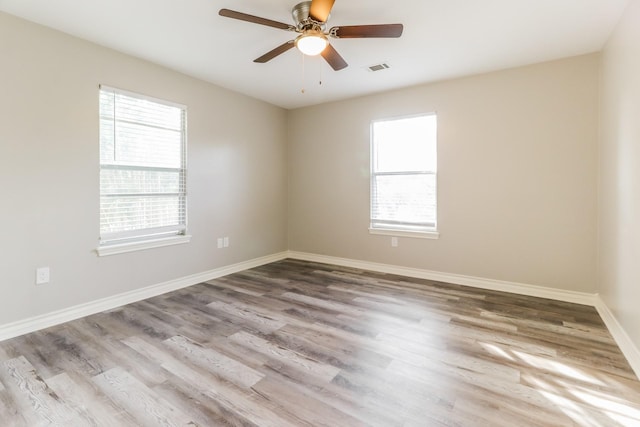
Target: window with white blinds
{"points": [[403, 174], [142, 168]]}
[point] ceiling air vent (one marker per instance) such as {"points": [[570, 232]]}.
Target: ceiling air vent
{"points": [[378, 67]]}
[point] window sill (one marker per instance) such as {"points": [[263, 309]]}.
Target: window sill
{"points": [[140, 246], [404, 233]]}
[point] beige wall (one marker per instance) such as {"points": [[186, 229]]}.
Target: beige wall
{"points": [[619, 226], [516, 182], [49, 173]]}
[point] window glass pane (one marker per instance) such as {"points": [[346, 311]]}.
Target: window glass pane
{"points": [[409, 199], [107, 145], [135, 213], [107, 104], [146, 146], [405, 144], [147, 112], [131, 181]]}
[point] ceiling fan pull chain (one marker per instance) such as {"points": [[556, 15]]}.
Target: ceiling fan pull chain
{"points": [[302, 76]]}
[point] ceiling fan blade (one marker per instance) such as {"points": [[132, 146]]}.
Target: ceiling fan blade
{"points": [[333, 58], [275, 52], [255, 19], [320, 10], [367, 31]]}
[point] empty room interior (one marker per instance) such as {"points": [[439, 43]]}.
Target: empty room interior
{"points": [[435, 221]]}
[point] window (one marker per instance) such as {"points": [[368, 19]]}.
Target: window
{"points": [[403, 176], [142, 169]]}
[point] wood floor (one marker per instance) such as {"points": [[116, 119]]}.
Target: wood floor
{"points": [[302, 344]]}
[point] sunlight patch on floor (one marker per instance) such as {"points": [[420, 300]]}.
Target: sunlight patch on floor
{"points": [[610, 407], [557, 367], [578, 399], [496, 351], [572, 410]]}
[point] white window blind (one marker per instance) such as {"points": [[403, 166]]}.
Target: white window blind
{"points": [[403, 174], [142, 167]]}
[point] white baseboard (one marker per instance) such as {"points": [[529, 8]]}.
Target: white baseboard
{"points": [[628, 348], [458, 279], [47, 320]]}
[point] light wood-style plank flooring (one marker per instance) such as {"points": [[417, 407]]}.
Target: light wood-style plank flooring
{"points": [[295, 343]]}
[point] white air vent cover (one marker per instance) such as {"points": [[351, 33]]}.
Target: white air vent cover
{"points": [[378, 67]]}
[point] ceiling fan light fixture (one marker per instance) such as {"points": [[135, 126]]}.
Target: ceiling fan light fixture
{"points": [[311, 42]]}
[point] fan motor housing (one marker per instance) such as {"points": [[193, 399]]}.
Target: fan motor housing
{"points": [[300, 12]]}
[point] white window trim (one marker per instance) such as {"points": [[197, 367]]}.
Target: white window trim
{"points": [[121, 248], [143, 96], [150, 242], [421, 232]]}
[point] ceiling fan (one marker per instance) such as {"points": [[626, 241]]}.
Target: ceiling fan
{"points": [[310, 19]]}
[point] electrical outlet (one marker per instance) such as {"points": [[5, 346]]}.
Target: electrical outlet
{"points": [[226, 242], [42, 275], [394, 242], [220, 242]]}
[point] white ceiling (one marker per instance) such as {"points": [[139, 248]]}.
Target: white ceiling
{"points": [[442, 39]]}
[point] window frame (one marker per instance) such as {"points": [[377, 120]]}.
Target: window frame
{"points": [[145, 238], [401, 228]]}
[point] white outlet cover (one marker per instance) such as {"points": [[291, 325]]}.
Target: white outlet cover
{"points": [[42, 275], [220, 242], [226, 242]]}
